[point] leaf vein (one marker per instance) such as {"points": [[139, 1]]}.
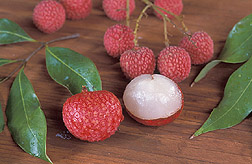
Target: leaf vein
{"points": [[21, 36], [22, 97]]}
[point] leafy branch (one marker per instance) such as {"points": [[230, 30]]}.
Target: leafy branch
{"points": [[65, 66]]}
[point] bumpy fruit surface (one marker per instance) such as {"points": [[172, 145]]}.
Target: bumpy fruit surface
{"points": [[92, 116], [117, 39], [174, 6], [137, 61], [77, 9], [49, 16], [175, 63], [116, 9], [153, 100], [200, 47]]}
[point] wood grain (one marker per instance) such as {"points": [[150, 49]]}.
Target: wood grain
{"points": [[133, 143]]}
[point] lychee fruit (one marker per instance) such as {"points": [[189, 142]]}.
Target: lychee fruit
{"points": [[200, 47], [137, 61], [153, 100], [77, 9], [117, 39], [174, 6], [49, 16], [175, 63], [92, 116], [116, 9]]}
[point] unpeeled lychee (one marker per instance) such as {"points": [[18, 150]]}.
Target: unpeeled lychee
{"points": [[117, 39], [49, 16], [137, 61], [92, 116], [153, 100], [175, 63], [174, 6], [200, 47], [116, 9], [77, 9]]}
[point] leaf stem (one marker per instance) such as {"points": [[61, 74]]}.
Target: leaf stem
{"points": [[64, 38], [43, 44], [137, 23], [33, 53], [12, 73]]}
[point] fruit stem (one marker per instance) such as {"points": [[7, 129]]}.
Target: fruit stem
{"points": [[138, 21], [180, 19], [43, 44], [128, 13], [167, 42]]}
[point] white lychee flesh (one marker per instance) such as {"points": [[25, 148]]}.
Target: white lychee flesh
{"points": [[150, 97]]}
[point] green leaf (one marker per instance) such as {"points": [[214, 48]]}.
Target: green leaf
{"points": [[7, 61], [204, 71], [1, 119], [72, 70], [26, 120], [236, 103], [10, 32], [238, 46]]}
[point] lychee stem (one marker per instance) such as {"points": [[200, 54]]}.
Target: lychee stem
{"points": [[157, 9], [179, 18], [167, 42], [43, 44], [137, 23], [128, 13]]}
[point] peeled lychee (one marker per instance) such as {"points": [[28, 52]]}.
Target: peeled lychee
{"points": [[92, 116], [117, 39], [137, 61], [116, 9], [175, 63], [153, 100], [174, 6], [77, 9], [49, 16], [200, 47]]}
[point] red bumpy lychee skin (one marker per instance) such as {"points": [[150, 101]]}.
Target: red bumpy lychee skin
{"points": [[49, 16], [77, 9], [116, 9], [139, 60], [200, 47], [92, 116], [175, 63], [174, 6], [117, 39]]}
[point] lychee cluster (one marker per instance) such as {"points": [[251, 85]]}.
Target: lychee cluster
{"points": [[49, 15]]}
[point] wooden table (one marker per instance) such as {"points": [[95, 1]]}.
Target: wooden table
{"points": [[133, 143]]}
